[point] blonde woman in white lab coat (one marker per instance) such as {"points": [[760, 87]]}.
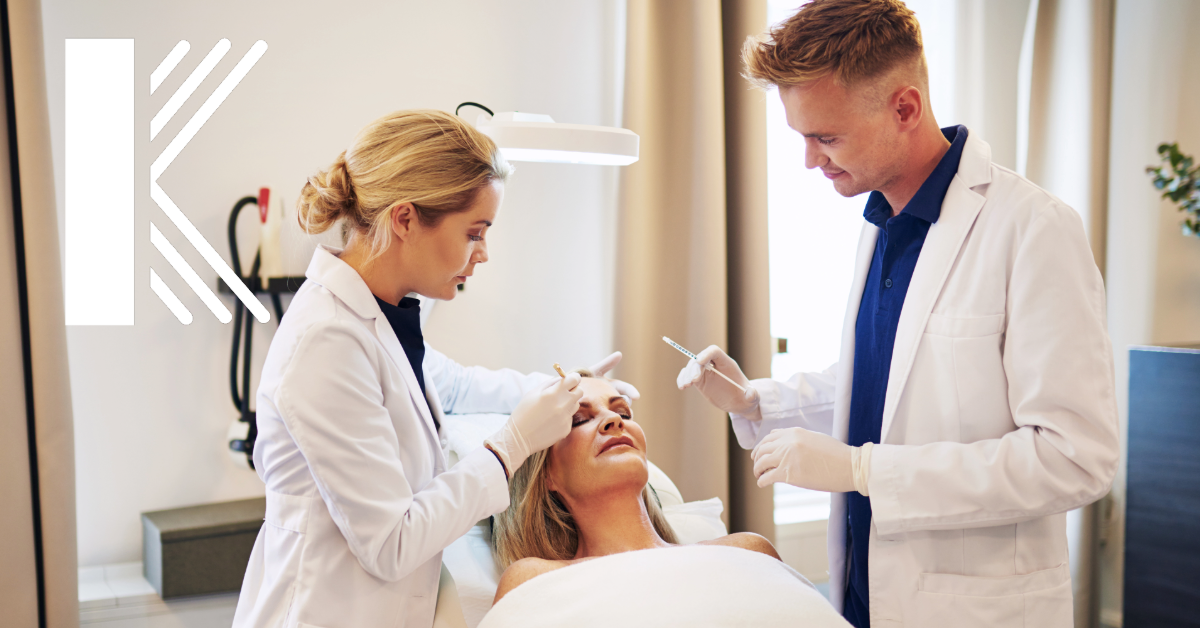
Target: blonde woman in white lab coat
{"points": [[360, 502]]}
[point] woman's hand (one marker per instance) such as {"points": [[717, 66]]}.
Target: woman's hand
{"points": [[542, 418], [602, 367]]}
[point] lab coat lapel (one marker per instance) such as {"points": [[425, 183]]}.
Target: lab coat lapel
{"points": [[960, 208], [395, 351], [346, 284], [841, 407], [862, 267], [439, 415]]}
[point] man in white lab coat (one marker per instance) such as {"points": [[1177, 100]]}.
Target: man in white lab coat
{"points": [[973, 404]]}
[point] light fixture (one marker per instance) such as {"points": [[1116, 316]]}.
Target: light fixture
{"points": [[537, 137]]}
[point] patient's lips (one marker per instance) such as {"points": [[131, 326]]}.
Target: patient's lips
{"points": [[617, 442]]}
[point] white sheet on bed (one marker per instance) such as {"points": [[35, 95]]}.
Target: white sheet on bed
{"points": [[469, 559], [695, 585]]}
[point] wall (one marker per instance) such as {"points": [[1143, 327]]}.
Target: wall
{"points": [[1153, 272], [152, 401]]}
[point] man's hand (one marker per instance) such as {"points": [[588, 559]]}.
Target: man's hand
{"points": [[607, 364], [806, 459], [715, 389]]}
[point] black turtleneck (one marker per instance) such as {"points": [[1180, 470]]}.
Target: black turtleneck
{"points": [[406, 322]]}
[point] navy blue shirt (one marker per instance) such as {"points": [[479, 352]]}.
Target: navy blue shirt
{"points": [[896, 251], [405, 319]]}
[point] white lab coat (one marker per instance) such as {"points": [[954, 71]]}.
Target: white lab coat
{"points": [[360, 503], [999, 416]]}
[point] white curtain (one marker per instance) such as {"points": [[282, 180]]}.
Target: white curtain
{"points": [[986, 67], [1063, 106], [1152, 272], [1063, 146]]}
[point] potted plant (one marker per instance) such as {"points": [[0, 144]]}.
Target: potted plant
{"points": [[1179, 179]]}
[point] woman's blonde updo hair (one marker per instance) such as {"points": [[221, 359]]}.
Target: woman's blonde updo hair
{"points": [[426, 157]]}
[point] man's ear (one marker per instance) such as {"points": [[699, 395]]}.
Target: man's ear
{"points": [[909, 105], [402, 220]]}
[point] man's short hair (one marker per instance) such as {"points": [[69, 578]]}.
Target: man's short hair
{"points": [[853, 40]]}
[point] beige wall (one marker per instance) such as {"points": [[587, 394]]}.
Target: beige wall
{"points": [[152, 401], [1153, 272]]}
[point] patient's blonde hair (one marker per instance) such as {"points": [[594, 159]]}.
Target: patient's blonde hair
{"points": [[429, 158], [537, 522]]}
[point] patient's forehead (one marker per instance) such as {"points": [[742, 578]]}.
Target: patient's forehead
{"points": [[597, 391]]}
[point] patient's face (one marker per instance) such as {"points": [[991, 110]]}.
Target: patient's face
{"points": [[606, 449]]}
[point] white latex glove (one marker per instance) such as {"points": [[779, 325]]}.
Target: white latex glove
{"points": [[807, 459], [607, 364], [542, 418], [716, 390]]}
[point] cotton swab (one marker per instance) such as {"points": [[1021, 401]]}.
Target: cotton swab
{"points": [[709, 366], [558, 368]]}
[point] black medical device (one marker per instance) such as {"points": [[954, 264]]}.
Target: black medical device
{"points": [[243, 323]]}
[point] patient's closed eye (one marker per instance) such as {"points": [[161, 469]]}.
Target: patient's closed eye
{"points": [[579, 419]]}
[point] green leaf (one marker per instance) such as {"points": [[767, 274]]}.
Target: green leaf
{"points": [[1178, 178]]}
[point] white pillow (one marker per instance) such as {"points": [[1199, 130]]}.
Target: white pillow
{"points": [[469, 559], [696, 521]]}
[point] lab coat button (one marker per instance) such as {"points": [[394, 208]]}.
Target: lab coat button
{"points": [[887, 283]]}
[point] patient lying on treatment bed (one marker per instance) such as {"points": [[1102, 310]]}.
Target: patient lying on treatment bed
{"points": [[584, 543]]}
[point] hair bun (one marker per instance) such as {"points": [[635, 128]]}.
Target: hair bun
{"points": [[327, 197], [429, 158]]}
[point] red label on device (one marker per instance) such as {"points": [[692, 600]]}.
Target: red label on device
{"points": [[264, 202]]}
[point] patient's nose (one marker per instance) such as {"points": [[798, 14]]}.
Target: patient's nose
{"points": [[611, 423]]}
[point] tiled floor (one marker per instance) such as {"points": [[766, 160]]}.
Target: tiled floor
{"points": [[118, 596]]}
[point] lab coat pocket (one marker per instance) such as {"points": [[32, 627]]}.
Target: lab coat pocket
{"points": [[289, 512], [283, 538], [1036, 599], [977, 369]]}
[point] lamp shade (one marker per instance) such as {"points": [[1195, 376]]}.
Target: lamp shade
{"points": [[537, 137]]}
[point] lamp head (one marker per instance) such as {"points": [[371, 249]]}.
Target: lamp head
{"points": [[537, 137]]}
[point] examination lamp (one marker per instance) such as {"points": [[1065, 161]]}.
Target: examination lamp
{"points": [[537, 137]]}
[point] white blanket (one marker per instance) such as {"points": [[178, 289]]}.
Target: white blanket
{"points": [[691, 585]]}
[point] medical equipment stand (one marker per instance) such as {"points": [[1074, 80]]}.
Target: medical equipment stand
{"points": [[243, 334]]}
